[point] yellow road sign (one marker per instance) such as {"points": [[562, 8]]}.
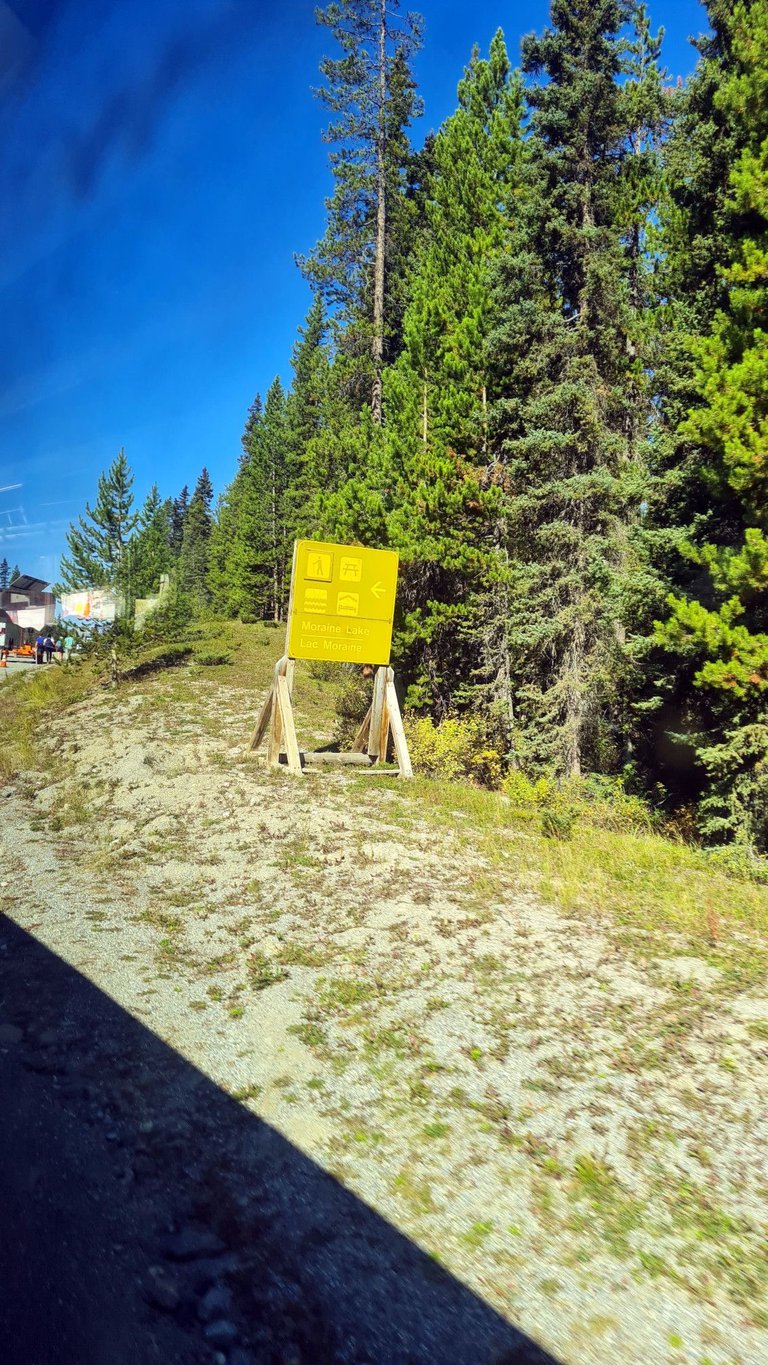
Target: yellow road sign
{"points": [[342, 603]]}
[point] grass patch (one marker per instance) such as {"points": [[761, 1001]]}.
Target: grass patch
{"points": [[612, 1208], [263, 971], [246, 1092], [476, 1235], [28, 701], [643, 880], [341, 993]]}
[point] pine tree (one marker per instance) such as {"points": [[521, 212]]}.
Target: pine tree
{"points": [[5, 573], [263, 538], [251, 423], [193, 556], [371, 95], [564, 366], [719, 631], [437, 395], [151, 552], [178, 518], [305, 417], [15, 573], [97, 542], [251, 543]]}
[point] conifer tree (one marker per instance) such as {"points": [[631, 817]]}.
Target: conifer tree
{"points": [[305, 417], [371, 95], [178, 517], [251, 423], [15, 573], [5, 573], [251, 545], [563, 363], [193, 557], [97, 542], [151, 553], [720, 631], [437, 393]]}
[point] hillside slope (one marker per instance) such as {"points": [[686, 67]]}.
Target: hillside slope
{"points": [[558, 1093]]}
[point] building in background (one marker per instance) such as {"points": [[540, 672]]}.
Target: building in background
{"points": [[26, 609]]}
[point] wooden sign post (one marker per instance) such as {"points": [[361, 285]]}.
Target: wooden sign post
{"points": [[341, 609]]}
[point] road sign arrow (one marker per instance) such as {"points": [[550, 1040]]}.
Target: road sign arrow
{"points": [[378, 590]]}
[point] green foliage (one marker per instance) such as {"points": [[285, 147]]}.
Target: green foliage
{"points": [[143, 660], [148, 554], [557, 822], [717, 633], [249, 561], [263, 971], [602, 802], [456, 748], [567, 352], [438, 473], [195, 544], [359, 262], [211, 658], [97, 543]]}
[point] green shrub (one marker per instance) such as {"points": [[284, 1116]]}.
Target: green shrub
{"points": [[740, 861], [599, 801], [526, 793], [557, 822], [209, 658], [456, 748], [142, 662]]}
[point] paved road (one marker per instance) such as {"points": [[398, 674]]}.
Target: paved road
{"points": [[18, 666]]}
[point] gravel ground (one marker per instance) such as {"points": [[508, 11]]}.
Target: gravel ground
{"points": [[573, 1132]]}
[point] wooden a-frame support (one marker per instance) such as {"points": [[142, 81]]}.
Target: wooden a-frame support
{"points": [[371, 746]]}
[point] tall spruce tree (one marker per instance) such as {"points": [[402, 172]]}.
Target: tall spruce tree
{"points": [[150, 546], [305, 418], [718, 631], [564, 366], [251, 543], [439, 469], [178, 517], [195, 544], [97, 542], [251, 423], [5, 573], [371, 95]]}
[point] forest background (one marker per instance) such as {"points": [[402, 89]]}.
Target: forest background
{"points": [[536, 364]]}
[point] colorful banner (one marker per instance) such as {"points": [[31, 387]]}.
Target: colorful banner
{"points": [[90, 604]]}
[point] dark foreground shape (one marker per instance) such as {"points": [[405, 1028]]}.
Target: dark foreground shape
{"points": [[146, 1218]]}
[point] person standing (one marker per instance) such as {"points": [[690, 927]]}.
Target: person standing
{"points": [[69, 645], [48, 649], [39, 648]]}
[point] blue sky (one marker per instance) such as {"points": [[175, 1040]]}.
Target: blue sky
{"points": [[160, 163]]}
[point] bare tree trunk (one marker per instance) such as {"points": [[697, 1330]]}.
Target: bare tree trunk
{"points": [[377, 344]]}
